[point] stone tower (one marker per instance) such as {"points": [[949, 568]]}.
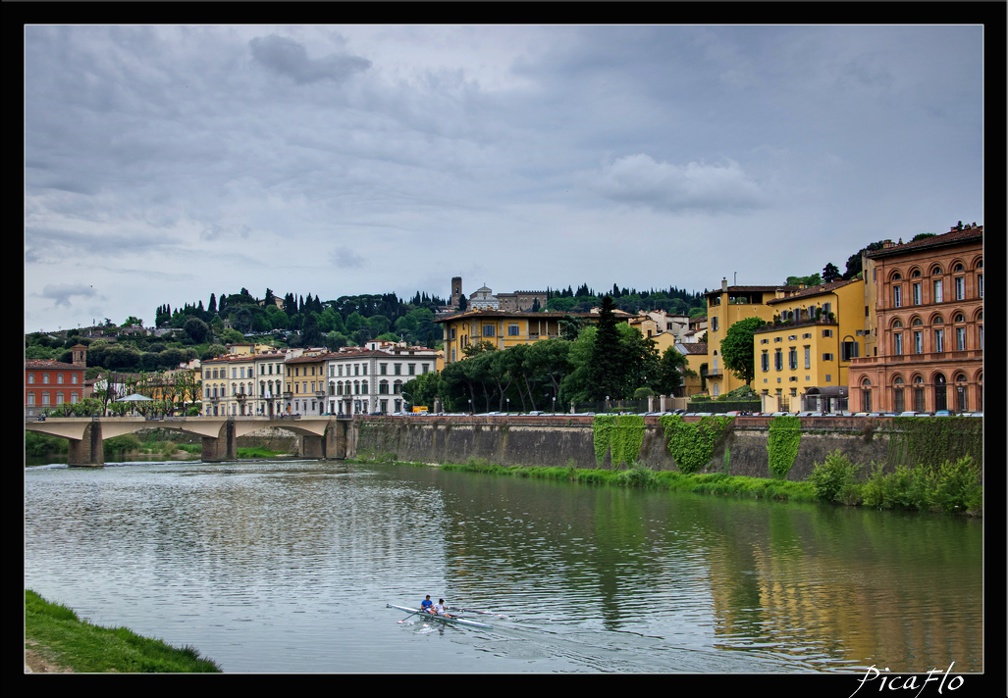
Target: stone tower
{"points": [[456, 290]]}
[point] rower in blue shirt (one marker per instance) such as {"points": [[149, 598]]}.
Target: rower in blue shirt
{"points": [[426, 605]]}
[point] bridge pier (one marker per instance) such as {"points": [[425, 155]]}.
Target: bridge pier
{"points": [[89, 450], [222, 448]]}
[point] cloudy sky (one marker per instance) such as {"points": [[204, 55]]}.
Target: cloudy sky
{"points": [[166, 163]]}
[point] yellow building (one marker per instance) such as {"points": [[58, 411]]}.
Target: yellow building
{"points": [[696, 357], [505, 329], [305, 383], [725, 307], [802, 357]]}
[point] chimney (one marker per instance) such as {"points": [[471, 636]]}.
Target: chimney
{"points": [[724, 284], [886, 244]]}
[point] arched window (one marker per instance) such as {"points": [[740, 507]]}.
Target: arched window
{"points": [[918, 393], [962, 398], [866, 395], [940, 392], [899, 400]]}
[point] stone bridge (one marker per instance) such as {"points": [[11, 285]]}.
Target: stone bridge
{"points": [[320, 437]]}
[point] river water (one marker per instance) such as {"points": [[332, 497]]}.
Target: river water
{"points": [[288, 567]]}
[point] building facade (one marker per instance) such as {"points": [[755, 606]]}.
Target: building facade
{"points": [[504, 330], [725, 307], [803, 356], [929, 319], [305, 385], [367, 379], [49, 384]]}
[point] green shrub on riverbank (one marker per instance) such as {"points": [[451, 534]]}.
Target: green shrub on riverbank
{"points": [[55, 631], [952, 487]]}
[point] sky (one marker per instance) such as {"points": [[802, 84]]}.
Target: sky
{"points": [[164, 163]]}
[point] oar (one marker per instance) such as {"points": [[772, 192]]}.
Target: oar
{"points": [[388, 605]]}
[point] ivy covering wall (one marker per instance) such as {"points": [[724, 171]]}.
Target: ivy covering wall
{"points": [[929, 441], [692, 444], [782, 444], [622, 435]]}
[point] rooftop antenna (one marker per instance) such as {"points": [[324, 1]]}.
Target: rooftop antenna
{"points": [[735, 279]]}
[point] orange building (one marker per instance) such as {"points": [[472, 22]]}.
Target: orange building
{"points": [[929, 320], [49, 384]]}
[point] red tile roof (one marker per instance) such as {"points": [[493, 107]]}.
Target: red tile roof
{"points": [[953, 237], [814, 290]]}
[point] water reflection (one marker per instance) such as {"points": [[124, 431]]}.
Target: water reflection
{"points": [[254, 563]]}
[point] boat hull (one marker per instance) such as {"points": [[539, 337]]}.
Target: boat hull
{"points": [[454, 620]]}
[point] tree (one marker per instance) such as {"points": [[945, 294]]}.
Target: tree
{"points": [[737, 348], [830, 273], [196, 330], [671, 371], [808, 281], [606, 371]]}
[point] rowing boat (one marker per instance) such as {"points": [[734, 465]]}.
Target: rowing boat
{"points": [[444, 619]]}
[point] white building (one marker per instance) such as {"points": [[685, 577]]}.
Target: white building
{"points": [[370, 378], [483, 299]]}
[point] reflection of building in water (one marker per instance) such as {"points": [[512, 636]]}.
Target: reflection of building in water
{"points": [[827, 608]]}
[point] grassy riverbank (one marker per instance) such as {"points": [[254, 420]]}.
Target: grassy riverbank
{"points": [[58, 641], [953, 487]]}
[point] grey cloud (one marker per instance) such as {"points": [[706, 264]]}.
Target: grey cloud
{"points": [[345, 258], [640, 180], [288, 57], [60, 294]]}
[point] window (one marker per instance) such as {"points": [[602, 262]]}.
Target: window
{"points": [[397, 369], [451, 333], [937, 291], [848, 350], [45, 398], [866, 395], [916, 294], [960, 288], [714, 323], [412, 369], [962, 403], [898, 397], [918, 393], [488, 331], [827, 333], [898, 344], [764, 362], [827, 357], [808, 357], [980, 285], [960, 339], [512, 330], [45, 378], [792, 358], [778, 359], [382, 369], [764, 341], [940, 392], [939, 339], [31, 378], [918, 340], [897, 293], [59, 379]]}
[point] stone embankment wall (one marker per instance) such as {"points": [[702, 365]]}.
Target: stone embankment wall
{"points": [[568, 441]]}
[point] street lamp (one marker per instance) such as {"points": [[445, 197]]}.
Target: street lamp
{"points": [[554, 404], [509, 405], [470, 406]]}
